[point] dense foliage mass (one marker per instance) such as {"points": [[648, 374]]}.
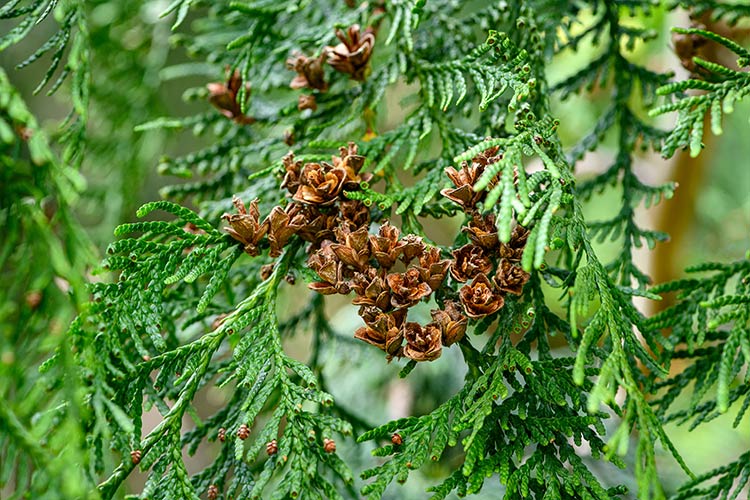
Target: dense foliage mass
{"points": [[301, 185]]}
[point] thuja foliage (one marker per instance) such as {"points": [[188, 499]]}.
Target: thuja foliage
{"points": [[296, 178], [39, 297]]}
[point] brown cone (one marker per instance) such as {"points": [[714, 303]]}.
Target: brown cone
{"points": [[422, 343], [480, 298], [352, 55], [245, 227]]}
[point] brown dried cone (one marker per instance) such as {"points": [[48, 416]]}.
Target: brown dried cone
{"points": [[213, 492], [320, 184], [329, 445], [245, 226], [488, 156], [451, 321], [385, 332], [422, 343], [465, 179], [350, 161], [135, 456], [510, 277], [272, 447], [371, 290], [282, 224], [352, 55], [469, 261], [224, 97], [369, 313], [433, 269], [407, 288], [353, 249], [324, 180], [480, 298], [396, 439], [354, 214], [513, 250], [482, 231], [318, 226], [330, 269], [310, 72], [306, 101], [266, 270], [412, 246], [293, 168], [385, 246], [243, 432], [222, 434]]}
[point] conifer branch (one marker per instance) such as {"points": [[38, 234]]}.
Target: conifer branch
{"points": [[295, 123], [721, 87]]}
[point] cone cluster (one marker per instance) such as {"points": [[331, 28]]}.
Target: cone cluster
{"points": [[387, 272], [351, 57]]}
